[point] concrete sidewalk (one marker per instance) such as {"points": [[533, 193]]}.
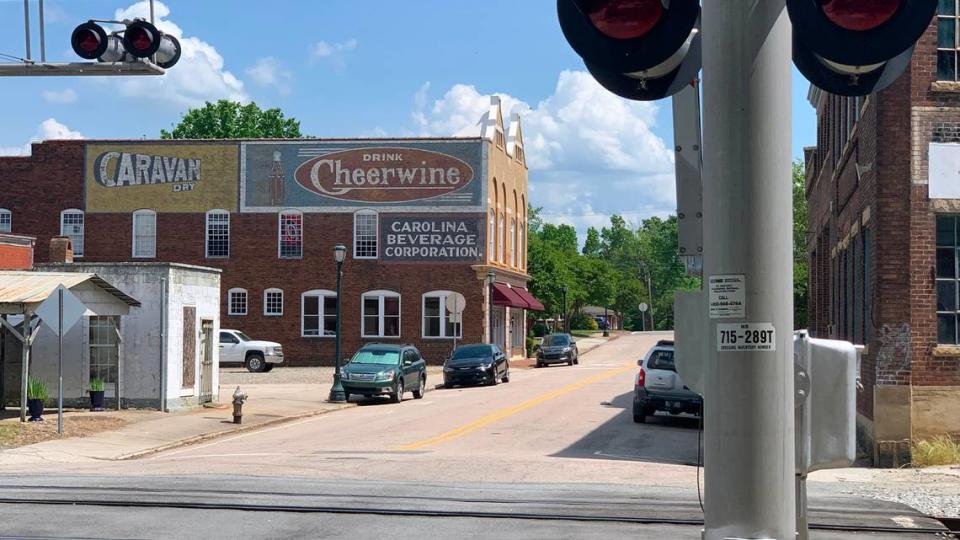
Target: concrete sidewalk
{"points": [[152, 431]]}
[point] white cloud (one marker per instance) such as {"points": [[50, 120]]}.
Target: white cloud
{"points": [[47, 130], [270, 72], [199, 75], [61, 97], [591, 154], [334, 53]]}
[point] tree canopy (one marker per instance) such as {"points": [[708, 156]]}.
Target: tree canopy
{"points": [[230, 120]]}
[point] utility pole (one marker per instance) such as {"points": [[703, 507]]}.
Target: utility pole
{"points": [[749, 417], [646, 270]]}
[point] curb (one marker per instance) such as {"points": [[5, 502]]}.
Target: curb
{"points": [[232, 431]]}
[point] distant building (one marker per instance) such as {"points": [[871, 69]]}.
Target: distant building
{"points": [[883, 236], [421, 218]]}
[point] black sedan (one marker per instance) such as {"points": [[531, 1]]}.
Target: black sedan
{"points": [[476, 364]]}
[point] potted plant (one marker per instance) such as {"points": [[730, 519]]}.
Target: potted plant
{"points": [[96, 394], [36, 395]]}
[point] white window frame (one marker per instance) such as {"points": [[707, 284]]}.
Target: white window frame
{"points": [[444, 316], [376, 234], [280, 234], [381, 295], [6, 220], [493, 235], [207, 232], [501, 237], [74, 212], [266, 303], [513, 241], [321, 295], [246, 301], [133, 239]]}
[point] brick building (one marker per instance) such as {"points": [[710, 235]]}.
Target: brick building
{"points": [[884, 195], [420, 218]]}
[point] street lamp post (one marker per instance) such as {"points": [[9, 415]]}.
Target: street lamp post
{"points": [[337, 394], [566, 327], [491, 278]]}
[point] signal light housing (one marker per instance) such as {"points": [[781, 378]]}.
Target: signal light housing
{"points": [[638, 49], [140, 40], [856, 47]]}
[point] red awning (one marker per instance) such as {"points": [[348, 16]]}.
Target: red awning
{"points": [[535, 305], [505, 296]]}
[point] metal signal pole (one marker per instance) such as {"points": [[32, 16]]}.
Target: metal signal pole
{"points": [[749, 431]]}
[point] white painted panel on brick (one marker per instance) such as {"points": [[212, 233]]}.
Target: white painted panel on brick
{"points": [[944, 170]]}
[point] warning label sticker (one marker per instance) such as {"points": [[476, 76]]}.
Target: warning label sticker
{"points": [[746, 337], [728, 296]]}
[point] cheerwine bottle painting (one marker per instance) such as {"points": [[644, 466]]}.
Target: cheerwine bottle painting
{"points": [[348, 174]]}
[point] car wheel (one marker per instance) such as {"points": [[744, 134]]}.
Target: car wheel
{"points": [[255, 363], [570, 362], [539, 364], [418, 393], [447, 385], [506, 376], [397, 397], [494, 380]]}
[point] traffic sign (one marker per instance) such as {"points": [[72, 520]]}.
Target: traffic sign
{"points": [[49, 310], [644, 307]]}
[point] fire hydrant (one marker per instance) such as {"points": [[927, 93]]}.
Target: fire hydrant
{"points": [[238, 399]]}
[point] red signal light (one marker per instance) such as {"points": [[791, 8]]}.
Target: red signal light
{"points": [[88, 41], [140, 39], [624, 19], [859, 15]]}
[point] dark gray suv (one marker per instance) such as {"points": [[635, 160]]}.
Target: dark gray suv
{"points": [[381, 369]]}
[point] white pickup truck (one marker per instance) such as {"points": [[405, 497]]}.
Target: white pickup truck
{"points": [[237, 348]]}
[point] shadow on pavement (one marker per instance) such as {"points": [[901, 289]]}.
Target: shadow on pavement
{"points": [[663, 439]]}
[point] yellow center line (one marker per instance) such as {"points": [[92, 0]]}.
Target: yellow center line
{"points": [[510, 411]]}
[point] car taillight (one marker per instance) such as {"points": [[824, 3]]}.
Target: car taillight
{"points": [[642, 378]]}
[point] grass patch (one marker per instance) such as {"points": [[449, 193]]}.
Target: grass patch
{"points": [[940, 450], [8, 434], [583, 333]]}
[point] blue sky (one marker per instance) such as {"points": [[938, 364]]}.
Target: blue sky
{"points": [[375, 68]]}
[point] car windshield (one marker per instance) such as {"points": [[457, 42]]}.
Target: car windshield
{"points": [[242, 336], [376, 356], [556, 340], [471, 351], [661, 359]]}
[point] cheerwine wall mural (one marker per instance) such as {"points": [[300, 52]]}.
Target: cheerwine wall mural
{"points": [[347, 175]]}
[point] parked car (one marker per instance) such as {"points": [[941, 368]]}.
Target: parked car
{"points": [[381, 369], [658, 386], [558, 349], [476, 364], [236, 348]]}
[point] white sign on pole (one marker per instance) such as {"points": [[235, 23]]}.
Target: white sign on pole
{"points": [[644, 306], [755, 336], [728, 296], [49, 310]]}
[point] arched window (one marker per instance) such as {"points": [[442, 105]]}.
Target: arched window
{"points": [[513, 241], [273, 302], [6, 220], [145, 234], [380, 314], [71, 225], [290, 235], [501, 239], [493, 235], [218, 234], [237, 301], [440, 319], [318, 313], [365, 235]]}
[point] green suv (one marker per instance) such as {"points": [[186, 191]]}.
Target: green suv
{"points": [[381, 369]]}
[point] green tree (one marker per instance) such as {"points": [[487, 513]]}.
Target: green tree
{"points": [[659, 252], [592, 246], [800, 263], [230, 120]]}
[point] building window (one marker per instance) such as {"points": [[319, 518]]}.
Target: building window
{"points": [[71, 225], [237, 301], [501, 240], [6, 220], [290, 238], [523, 245], [513, 242], [318, 314], [104, 342], [273, 302], [381, 314], [218, 233], [365, 235], [867, 287], [493, 235], [947, 40], [145, 234], [498, 138], [947, 279], [518, 153], [439, 318]]}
